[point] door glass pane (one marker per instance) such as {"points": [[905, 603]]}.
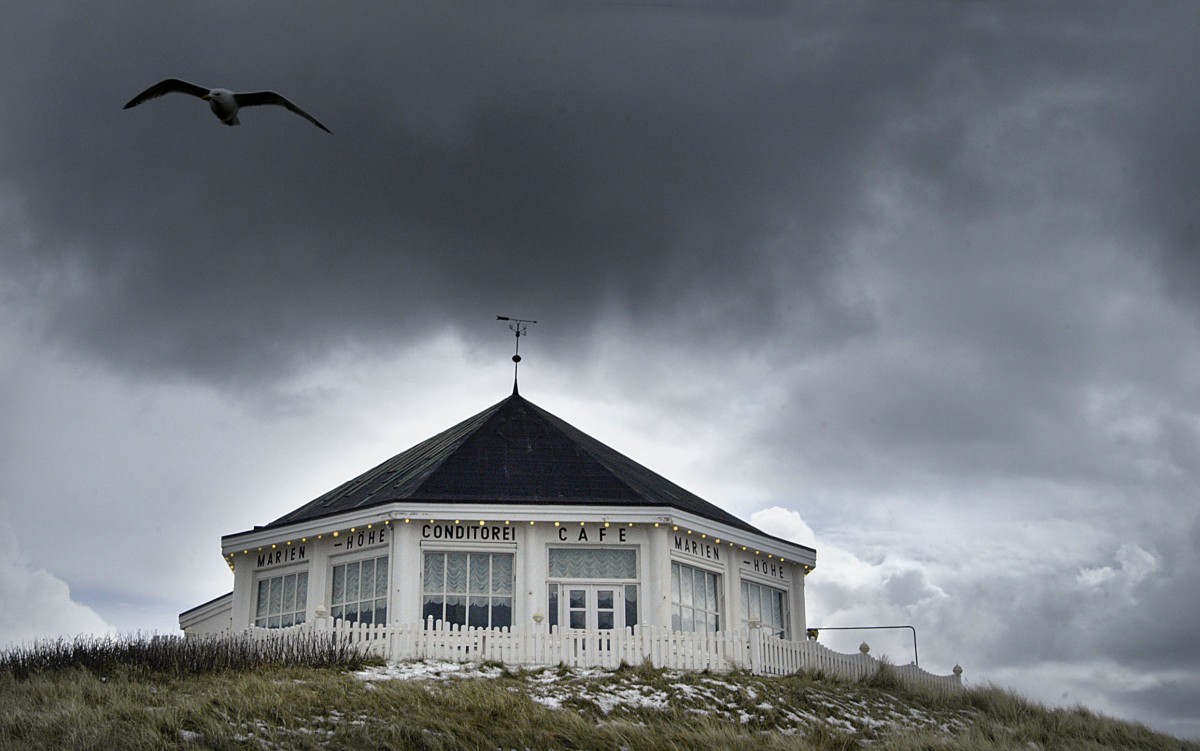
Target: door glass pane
{"points": [[578, 619], [578, 598], [604, 599], [631, 610], [604, 619], [552, 605]]}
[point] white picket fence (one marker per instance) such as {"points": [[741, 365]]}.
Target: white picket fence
{"points": [[753, 649]]}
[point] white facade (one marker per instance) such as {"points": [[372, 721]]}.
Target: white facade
{"points": [[500, 565]]}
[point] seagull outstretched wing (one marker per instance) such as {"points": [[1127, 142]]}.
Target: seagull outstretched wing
{"points": [[256, 98], [171, 85]]}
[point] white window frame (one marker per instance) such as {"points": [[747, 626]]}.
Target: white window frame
{"points": [[491, 596], [780, 629], [337, 609], [713, 613], [283, 617]]}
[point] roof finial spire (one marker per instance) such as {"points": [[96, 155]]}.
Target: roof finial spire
{"points": [[517, 326]]}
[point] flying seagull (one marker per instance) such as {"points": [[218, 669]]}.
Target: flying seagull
{"points": [[225, 103]]}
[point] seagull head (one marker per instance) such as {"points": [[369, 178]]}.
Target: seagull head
{"points": [[223, 105]]}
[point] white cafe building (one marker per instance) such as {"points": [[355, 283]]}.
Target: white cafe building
{"points": [[512, 516]]}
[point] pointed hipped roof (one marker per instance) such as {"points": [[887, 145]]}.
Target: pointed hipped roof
{"points": [[513, 452]]}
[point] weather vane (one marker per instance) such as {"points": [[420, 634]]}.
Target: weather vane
{"points": [[518, 326]]}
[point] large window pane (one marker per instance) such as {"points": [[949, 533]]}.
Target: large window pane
{"points": [[275, 601], [456, 572], [631, 605], [435, 572], [502, 574], [339, 584], [765, 605], [289, 593], [359, 590], [695, 599], [501, 612], [367, 588], [480, 574], [467, 593], [281, 601], [381, 579], [477, 612], [456, 609], [433, 608], [352, 573]]}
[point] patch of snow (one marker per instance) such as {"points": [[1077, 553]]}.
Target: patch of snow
{"points": [[426, 670]]}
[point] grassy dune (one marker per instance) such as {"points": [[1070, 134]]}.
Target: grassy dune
{"points": [[336, 700]]}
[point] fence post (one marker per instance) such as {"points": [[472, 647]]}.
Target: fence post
{"points": [[321, 619], [754, 633]]}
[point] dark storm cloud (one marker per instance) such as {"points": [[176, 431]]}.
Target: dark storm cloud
{"points": [[671, 164], [556, 162]]}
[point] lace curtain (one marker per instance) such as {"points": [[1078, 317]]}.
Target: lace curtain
{"points": [[590, 563]]}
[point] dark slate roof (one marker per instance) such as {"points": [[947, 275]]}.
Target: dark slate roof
{"points": [[513, 452]]}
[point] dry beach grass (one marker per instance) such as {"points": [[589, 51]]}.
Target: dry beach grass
{"points": [[341, 701]]}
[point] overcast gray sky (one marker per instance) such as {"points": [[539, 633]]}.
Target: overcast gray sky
{"points": [[916, 283]]}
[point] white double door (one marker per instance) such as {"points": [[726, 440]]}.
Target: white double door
{"points": [[593, 606]]}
